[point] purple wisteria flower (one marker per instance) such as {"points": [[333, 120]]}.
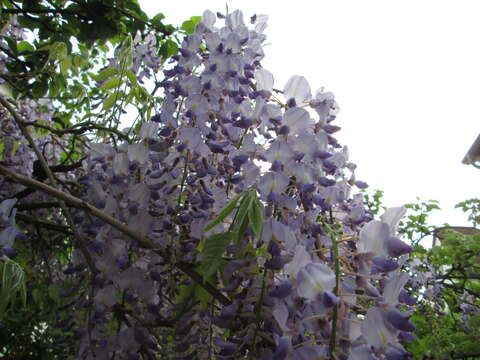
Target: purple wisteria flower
{"points": [[258, 245]]}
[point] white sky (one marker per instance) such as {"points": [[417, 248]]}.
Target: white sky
{"points": [[406, 75]]}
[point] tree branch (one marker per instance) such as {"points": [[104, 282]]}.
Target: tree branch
{"points": [[46, 224], [43, 162], [142, 240]]}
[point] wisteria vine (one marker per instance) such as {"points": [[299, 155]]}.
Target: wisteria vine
{"points": [[226, 229]]}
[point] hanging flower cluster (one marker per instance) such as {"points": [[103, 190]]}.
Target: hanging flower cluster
{"points": [[245, 240]]}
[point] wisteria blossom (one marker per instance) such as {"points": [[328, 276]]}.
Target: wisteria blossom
{"points": [[246, 235]]}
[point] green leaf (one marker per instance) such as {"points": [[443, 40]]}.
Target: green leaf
{"points": [[57, 84], [111, 100], [6, 90], [131, 76], [255, 215], [16, 145], [25, 46], [141, 94], [58, 50], [79, 60], [39, 88], [168, 49], [111, 83], [125, 53], [189, 25], [41, 131], [242, 212], [65, 65], [157, 20], [13, 285], [241, 220], [202, 295], [106, 73], [224, 213], [213, 251], [53, 292], [12, 44], [130, 95]]}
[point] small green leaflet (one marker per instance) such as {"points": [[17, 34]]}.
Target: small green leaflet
{"points": [[106, 73], [189, 25], [125, 53], [131, 76], [157, 20], [224, 213], [250, 211], [25, 46], [168, 48], [13, 285], [111, 83], [16, 145], [111, 99], [241, 218], [255, 215], [213, 250], [65, 65]]}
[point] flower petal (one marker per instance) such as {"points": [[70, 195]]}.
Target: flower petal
{"points": [[297, 87], [313, 279]]}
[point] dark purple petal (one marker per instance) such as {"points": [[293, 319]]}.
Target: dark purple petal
{"points": [[282, 290], [406, 298], [291, 103], [272, 197], [406, 336], [276, 263], [274, 249], [284, 130], [399, 321], [326, 181], [185, 53], [229, 311], [156, 118], [330, 129], [361, 184], [276, 166], [298, 156], [307, 188], [322, 154], [243, 123], [155, 275], [216, 148], [282, 350], [329, 166], [396, 247], [330, 299], [240, 159], [10, 252], [397, 354], [384, 265]]}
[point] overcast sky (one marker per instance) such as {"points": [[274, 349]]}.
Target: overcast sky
{"points": [[406, 75]]}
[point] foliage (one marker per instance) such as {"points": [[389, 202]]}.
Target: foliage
{"points": [[472, 206], [447, 316], [221, 224]]}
